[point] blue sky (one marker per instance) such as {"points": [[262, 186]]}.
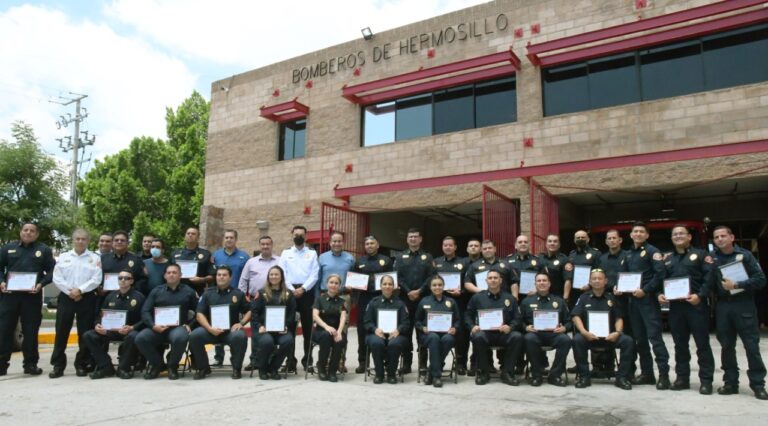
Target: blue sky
{"points": [[134, 58]]}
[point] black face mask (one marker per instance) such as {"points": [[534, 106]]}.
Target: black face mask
{"points": [[298, 240], [580, 243]]}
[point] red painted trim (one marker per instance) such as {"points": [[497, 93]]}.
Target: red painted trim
{"points": [[690, 31], [286, 111], [560, 168], [643, 25], [353, 93]]}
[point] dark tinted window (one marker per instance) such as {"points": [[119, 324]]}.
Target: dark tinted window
{"points": [[292, 139], [737, 57], [566, 89], [671, 70], [413, 118], [495, 103], [454, 110], [613, 81]]}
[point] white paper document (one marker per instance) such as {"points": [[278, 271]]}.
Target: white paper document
{"points": [[188, 268], [377, 278], [110, 282], [677, 288], [735, 272], [21, 281], [439, 322], [480, 280], [490, 319], [629, 281], [387, 320], [452, 280], [167, 315], [599, 323], [356, 281], [581, 275], [274, 319], [220, 317], [545, 320], [112, 319], [527, 282]]}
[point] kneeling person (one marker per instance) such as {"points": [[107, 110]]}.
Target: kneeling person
{"points": [[218, 314]]}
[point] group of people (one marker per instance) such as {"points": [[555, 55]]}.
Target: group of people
{"points": [[519, 306]]}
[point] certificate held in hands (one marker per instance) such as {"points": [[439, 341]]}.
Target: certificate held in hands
{"points": [[735, 272], [387, 320], [629, 282], [439, 322], [113, 320], [545, 320], [677, 288], [527, 282], [188, 268], [274, 319], [110, 282], [490, 319], [220, 317], [356, 281], [21, 281], [452, 280], [581, 275], [599, 323], [167, 316], [480, 280]]}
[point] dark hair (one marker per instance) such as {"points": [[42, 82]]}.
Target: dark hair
{"points": [[486, 241], [479, 241], [543, 273], [265, 237], [719, 227], [126, 270], [414, 231], [495, 271], [680, 225], [29, 222], [224, 268], [640, 225], [613, 230], [448, 237], [268, 288], [158, 240], [295, 227], [553, 235], [108, 234], [336, 233], [148, 235], [171, 265], [121, 232], [230, 230]]}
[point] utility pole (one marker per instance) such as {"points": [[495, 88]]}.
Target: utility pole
{"points": [[74, 143]]}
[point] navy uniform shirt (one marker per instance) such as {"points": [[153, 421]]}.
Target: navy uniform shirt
{"points": [[33, 257], [524, 262], [586, 256], [550, 302], [131, 302], [330, 309], [183, 297], [453, 265], [231, 297], [751, 286], [371, 265], [414, 269], [431, 304], [259, 308], [112, 263], [695, 264], [588, 302], [487, 300], [508, 276], [647, 260], [554, 265], [200, 255], [612, 265], [381, 302]]}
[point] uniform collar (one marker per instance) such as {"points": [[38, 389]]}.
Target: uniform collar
{"points": [[225, 291], [586, 249], [594, 296], [168, 288], [541, 298], [526, 256], [496, 296]]}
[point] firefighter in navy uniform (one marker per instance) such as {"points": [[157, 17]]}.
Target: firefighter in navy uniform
{"points": [[736, 314], [371, 263], [194, 253], [691, 315], [120, 259], [582, 255], [437, 343], [414, 266], [611, 263], [554, 262], [522, 260], [452, 264], [386, 345], [30, 256]]}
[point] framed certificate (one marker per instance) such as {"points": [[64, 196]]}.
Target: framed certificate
{"points": [[480, 280], [220, 317], [113, 319], [735, 272], [545, 320], [677, 288], [629, 281], [274, 319], [527, 282], [356, 281], [581, 275], [599, 323], [110, 281], [439, 322], [452, 280], [490, 319], [377, 279], [167, 315], [387, 320], [188, 268], [21, 281]]}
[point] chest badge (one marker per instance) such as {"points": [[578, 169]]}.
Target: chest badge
{"points": [[693, 257], [130, 264], [200, 256], [111, 304], [506, 302], [555, 304], [423, 257], [642, 253], [459, 266], [234, 299], [481, 267], [610, 303], [556, 262], [533, 263], [39, 253], [589, 256], [382, 262], [739, 257], [406, 256], [448, 303], [133, 302]]}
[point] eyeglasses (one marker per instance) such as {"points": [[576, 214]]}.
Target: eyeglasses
{"points": [[124, 278]]}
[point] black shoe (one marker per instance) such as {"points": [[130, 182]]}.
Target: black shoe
{"points": [[437, 382], [34, 370], [378, 380], [622, 383], [332, 378], [236, 374], [428, 379], [680, 385], [360, 369], [572, 370], [471, 372], [663, 383], [275, 376], [250, 367], [760, 393], [322, 375], [173, 374], [3, 372], [583, 382], [263, 375], [481, 379], [152, 372], [643, 380], [102, 373], [705, 389], [199, 375], [218, 363], [728, 390], [536, 381], [80, 372], [125, 375], [392, 380], [509, 379], [461, 370], [55, 374], [556, 380]]}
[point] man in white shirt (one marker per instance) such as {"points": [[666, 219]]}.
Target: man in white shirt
{"points": [[301, 268], [77, 275]]}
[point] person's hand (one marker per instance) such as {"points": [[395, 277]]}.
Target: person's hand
{"points": [[236, 326], [613, 337], [413, 295], [662, 298], [299, 292], [379, 332], [215, 331], [262, 329], [285, 331], [37, 289], [424, 330], [452, 331], [616, 292], [530, 328], [330, 330], [125, 330], [728, 285], [455, 293], [694, 299], [475, 329], [189, 330], [531, 293], [585, 287], [101, 330], [505, 329], [159, 328], [569, 267], [589, 336], [559, 330], [393, 334], [639, 293], [337, 337]]}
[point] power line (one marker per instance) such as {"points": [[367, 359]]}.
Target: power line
{"points": [[74, 143]]}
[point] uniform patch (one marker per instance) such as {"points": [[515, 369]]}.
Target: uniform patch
{"points": [[427, 307], [657, 256], [130, 264], [38, 253], [533, 263], [363, 266], [555, 304], [506, 302], [693, 257], [534, 306], [589, 256], [406, 256], [481, 267], [459, 266], [133, 302], [423, 257], [501, 264], [556, 262], [112, 304], [739, 257], [382, 262], [448, 303], [200, 256], [642, 253], [12, 251], [234, 299], [610, 303]]}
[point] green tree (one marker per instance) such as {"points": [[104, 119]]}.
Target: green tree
{"points": [[31, 187]]}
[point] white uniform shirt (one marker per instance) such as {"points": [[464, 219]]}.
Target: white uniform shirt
{"points": [[300, 267], [77, 271]]}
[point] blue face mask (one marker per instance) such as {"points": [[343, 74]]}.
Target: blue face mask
{"points": [[156, 252]]}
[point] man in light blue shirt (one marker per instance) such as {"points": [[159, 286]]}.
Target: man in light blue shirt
{"points": [[336, 261], [299, 263], [231, 256]]}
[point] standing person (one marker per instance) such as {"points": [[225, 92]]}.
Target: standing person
{"points": [[192, 252], [105, 243], [690, 315], [301, 269], [450, 263], [582, 255], [644, 309], [274, 346], [120, 258], [231, 256], [32, 257], [522, 260], [77, 275], [612, 262], [335, 261], [414, 266], [736, 314], [146, 246], [371, 263], [554, 262], [387, 345], [155, 266], [438, 343], [330, 315]]}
